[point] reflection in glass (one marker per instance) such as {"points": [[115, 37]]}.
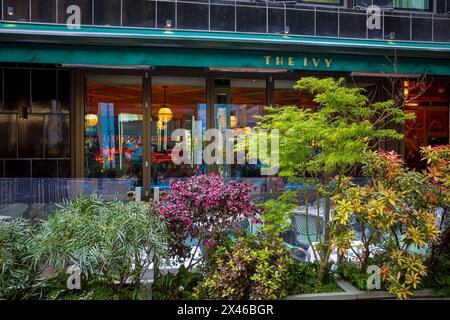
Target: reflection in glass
{"points": [[17, 168], [16, 10], [139, 13], [64, 90], [286, 95], [57, 133], [43, 11], [16, 89], [8, 132], [237, 102], [431, 125], [222, 17], [113, 128], [107, 12], [31, 136], [166, 14], [187, 20], [44, 91], [44, 168], [177, 103]]}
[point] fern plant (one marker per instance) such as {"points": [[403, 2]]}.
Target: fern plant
{"points": [[17, 272], [112, 240]]}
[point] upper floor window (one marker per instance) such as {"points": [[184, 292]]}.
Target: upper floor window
{"points": [[412, 4], [336, 2], [398, 4]]}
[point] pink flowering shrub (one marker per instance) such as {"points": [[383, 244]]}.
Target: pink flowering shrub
{"points": [[204, 208]]}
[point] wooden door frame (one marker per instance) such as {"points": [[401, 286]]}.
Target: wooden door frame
{"points": [[78, 89]]}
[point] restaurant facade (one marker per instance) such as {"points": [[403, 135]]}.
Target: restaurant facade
{"points": [[92, 90]]}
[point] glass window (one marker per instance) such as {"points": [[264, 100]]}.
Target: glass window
{"points": [[85, 7], [251, 19], [107, 12], [327, 24], [57, 136], [31, 136], [286, 95], [441, 27], [16, 10], [399, 27], [412, 4], [17, 169], [300, 21], [113, 128], [177, 103], [44, 91], [139, 13], [64, 169], [16, 89], [352, 25], [37, 136], [8, 132], [323, 1], [276, 20], [43, 11], [237, 102], [166, 14], [187, 20], [399, 4], [64, 90], [44, 168], [431, 125], [422, 29], [1, 89], [222, 17]]}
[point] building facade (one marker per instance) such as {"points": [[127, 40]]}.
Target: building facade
{"points": [[91, 90]]}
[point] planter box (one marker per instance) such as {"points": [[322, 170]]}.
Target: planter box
{"points": [[352, 293]]}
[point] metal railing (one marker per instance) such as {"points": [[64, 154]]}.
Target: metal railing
{"points": [[259, 17]]}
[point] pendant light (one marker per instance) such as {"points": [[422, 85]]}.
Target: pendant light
{"points": [[165, 115]]}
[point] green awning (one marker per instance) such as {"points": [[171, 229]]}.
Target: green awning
{"points": [[150, 53]]}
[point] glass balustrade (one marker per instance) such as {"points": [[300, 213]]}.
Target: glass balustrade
{"points": [[401, 20]]}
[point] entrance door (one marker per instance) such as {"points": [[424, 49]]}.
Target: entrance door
{"points": [[114, 133], [177, 103]]}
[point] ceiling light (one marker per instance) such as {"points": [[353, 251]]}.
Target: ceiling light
{"points": [[10, 11]]}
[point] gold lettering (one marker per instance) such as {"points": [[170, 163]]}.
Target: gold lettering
{"points": [[291, 61], [305, 62], [328, 62], [279, 61], [316, 62], [267, 58]]}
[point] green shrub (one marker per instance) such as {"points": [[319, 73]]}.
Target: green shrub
{"points": [[55, 288], [17, 272], [114, 241], [249, 268], [352, 273], [302, 279], [439, 265], [176, 286]]}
